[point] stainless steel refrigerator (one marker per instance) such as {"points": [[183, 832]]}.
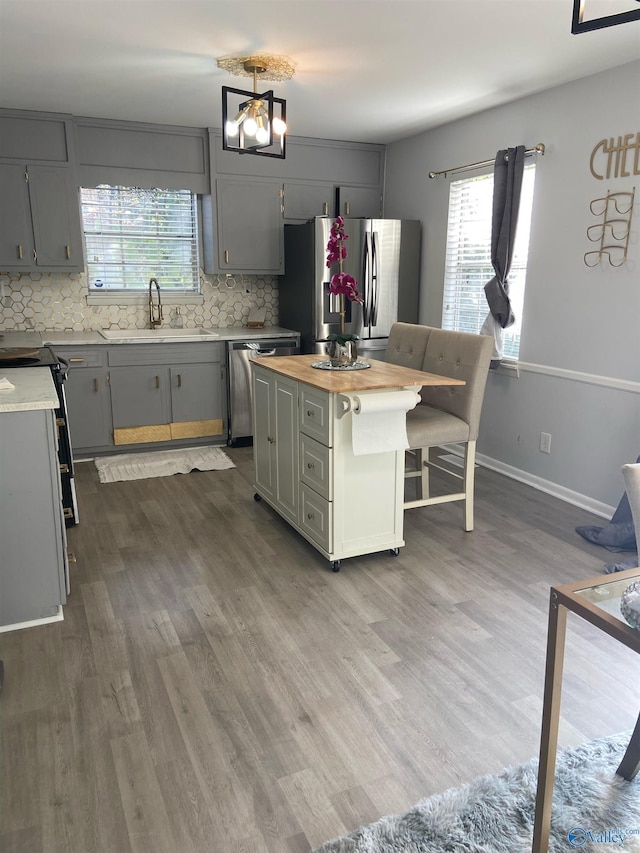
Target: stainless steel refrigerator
{"points": [[383, 255]]}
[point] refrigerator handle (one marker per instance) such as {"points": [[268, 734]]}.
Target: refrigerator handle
{"points": [[374, 279], [366, 281]]}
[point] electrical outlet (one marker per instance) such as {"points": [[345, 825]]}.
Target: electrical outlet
{"points": [[545, 442]]}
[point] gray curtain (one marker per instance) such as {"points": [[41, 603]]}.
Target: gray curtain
{"points": [[507, 187]]}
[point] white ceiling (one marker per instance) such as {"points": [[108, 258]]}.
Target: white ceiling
{"points": [[366, 70]]}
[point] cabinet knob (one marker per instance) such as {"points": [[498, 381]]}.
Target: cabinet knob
{"points": [[76, 360], [309, 413], [68, 251], [179, 380], [226, 256], [310, 516], [96, 385], [271, 440], [347, 208], [157, 381], [20, 252], [310, 466], [325, 208]]}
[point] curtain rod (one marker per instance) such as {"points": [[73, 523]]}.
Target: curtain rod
{"points": [[537, 149]]}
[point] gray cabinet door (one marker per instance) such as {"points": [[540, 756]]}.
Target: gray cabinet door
{"points": [[88, 408], [140, 396], [16, 234], [197, 392], [359, 202], [39, 219], [304, 201], [56, 218], [250, 234]]}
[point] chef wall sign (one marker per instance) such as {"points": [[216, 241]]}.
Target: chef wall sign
{"points": [[615, 157]]}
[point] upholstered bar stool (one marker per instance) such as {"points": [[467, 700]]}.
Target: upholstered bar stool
{"points": [[447, 414]]}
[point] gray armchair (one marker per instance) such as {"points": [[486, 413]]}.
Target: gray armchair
{"points": [[447, 414]]}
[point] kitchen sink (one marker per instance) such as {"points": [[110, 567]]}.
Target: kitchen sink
{"points": [[162, 335]]}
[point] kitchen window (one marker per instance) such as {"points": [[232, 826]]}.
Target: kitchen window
{"points": [[468, 259], [133, 234]]}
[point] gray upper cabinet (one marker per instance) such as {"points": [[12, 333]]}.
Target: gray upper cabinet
{"points": [[40, 219], [304, 201], [244, 216], [39, 200], [250, 233], [16, 233], [359, 202]]}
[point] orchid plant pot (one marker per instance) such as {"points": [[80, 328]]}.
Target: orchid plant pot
{"points": [[342, 354]]}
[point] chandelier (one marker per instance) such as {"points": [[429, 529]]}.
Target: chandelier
{"points": [[254, 123]]}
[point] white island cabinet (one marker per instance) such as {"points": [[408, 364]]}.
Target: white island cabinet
{"points": [[345, 504], [33, 556]]}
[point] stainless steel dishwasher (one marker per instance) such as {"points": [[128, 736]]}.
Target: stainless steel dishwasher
{"points": [[240, 354]]}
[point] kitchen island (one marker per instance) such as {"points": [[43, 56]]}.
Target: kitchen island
{"points": [[33, 555], [329, 450]]}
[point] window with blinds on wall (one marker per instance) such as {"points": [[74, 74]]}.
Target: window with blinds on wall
{"points": [[468, 258], [133, 234]]}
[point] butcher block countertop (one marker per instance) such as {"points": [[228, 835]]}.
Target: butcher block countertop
{"points": [[380, 375]]}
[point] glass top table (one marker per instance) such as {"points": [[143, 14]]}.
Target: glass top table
{"points": [[597, 601]]}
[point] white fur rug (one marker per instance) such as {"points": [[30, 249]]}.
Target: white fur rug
{"points": [[593, 809], [160, 463]]}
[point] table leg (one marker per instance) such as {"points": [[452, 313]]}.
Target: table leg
{"points": [[630, 763], [550, 720]]}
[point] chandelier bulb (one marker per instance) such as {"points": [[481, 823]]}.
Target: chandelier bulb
{"points": [[232, 128], [279, 126]]}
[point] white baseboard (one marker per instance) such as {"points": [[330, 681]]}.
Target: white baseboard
{"points": [[454, 457], [557, 491]]}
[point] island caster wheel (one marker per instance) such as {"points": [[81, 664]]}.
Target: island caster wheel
{"points": [[394, 551], [335, 566], [257, 497]]}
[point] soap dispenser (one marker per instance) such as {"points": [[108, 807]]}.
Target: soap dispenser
{"points": [[176, 320]]}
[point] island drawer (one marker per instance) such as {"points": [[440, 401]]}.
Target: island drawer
{"points": [[315, 466], [315, 517], [315, 414]]}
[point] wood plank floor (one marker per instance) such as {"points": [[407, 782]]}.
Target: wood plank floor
{"points": [[215, 687]]}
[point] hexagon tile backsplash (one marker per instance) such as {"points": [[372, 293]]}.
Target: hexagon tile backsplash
{"points": [[58, 301]]}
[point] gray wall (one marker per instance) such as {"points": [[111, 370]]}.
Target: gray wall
{"points": [[580, 349]]}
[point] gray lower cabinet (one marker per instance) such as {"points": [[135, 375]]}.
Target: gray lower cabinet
{"points": [[119, 396], [167, 393], [39, 219], [88, 399], [33, 558]]}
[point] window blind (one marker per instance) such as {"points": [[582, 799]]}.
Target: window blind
{"points": [[468, 256], [133, 234]]}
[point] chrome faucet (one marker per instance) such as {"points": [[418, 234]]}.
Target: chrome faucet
{"points": [[155, 312]]}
